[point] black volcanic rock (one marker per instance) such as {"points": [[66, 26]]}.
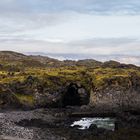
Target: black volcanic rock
{"points": [[40, 81]]}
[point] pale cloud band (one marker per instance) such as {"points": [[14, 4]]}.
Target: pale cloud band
{"points": [[98, 27], [100, 46]]}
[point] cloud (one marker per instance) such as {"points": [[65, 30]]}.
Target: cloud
{"points": [[122, 46], [83, 26], [68, 26], [69, 19], [93, 6]]}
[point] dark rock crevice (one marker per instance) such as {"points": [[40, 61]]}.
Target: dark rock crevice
{"points": [[75, 95]]}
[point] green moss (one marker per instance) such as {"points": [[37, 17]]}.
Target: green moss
{"points": [[25, 99], [54, 78]]}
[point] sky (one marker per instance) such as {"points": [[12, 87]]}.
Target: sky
{"points": [[94, 27]]}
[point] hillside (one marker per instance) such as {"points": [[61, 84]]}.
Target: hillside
{"points": [[36, 81], [21, 60], [18, 59]]}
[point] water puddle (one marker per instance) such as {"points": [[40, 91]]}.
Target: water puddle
{"points": [[85, 123], [79, 123]]}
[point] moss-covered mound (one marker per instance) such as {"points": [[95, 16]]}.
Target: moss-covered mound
{"points": [[35, 81]]}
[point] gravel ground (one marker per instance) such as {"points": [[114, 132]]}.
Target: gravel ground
{"points": [[54, 124], [9, 130]]}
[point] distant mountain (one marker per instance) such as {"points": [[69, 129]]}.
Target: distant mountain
{"points": [[128, 59], [22, 60], [34, 60], [14, 58], [9, 55]]}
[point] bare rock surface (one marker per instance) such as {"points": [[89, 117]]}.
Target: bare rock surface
{"points": [[10, 128]]}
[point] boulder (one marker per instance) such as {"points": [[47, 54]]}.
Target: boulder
{"points": [[93, 127], [8, 99]]}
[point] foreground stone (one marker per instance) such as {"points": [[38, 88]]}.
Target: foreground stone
{"points": [[10, 138], [54, 124]]}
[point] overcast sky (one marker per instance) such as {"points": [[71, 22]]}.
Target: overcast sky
{"points": [[71, 26]]}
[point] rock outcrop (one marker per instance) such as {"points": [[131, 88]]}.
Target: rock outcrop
{"points": [[36, 81], [8, 99], [118, 92]]}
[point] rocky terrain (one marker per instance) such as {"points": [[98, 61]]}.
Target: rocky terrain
{"points": [[54, 124], [84, 88], [32, 82]]}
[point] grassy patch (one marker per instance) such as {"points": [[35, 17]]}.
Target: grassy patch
{"points": [[25, 98]]}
